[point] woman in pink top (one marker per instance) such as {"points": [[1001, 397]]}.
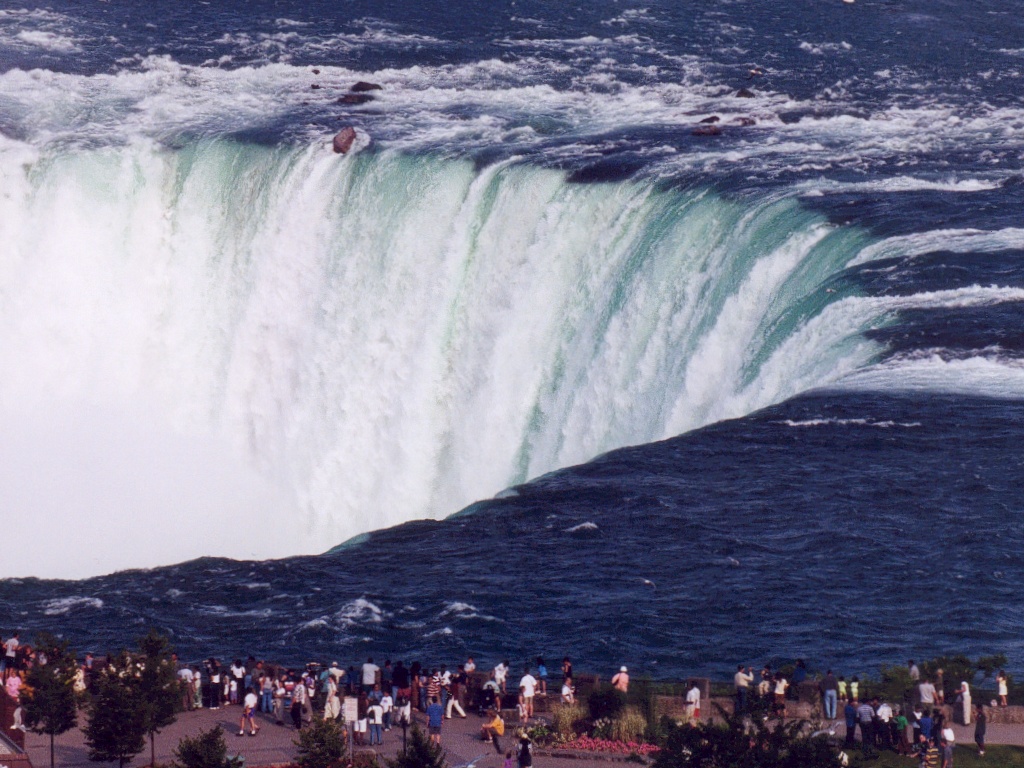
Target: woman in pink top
{"points": [[13, 685]]}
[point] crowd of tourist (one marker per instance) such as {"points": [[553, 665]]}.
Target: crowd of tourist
{"points": [[914, 726], [378, 698]]}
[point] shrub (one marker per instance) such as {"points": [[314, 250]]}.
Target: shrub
{"points": [[419, 753], [709, 745], [206, 750], [568, 719], [605, 704], [321, 745], [629, 724]]}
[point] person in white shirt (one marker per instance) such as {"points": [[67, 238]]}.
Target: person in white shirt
{"points": [[370, 672], [470, 665], [387, 704], [10, 658], [375, 719], [568, 695], [693, 704], [500, 673], [249, 705], [332, 707], [527, 689]]}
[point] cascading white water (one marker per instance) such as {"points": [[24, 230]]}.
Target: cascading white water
{"points": [[251, 351]]}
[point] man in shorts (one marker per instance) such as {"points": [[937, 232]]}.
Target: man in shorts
{"points": [[249, 714], [435, 717], [527, 689]]}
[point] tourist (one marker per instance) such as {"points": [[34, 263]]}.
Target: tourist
{"points": [[362, 719], [376, 694], [883, 723], [493, 729], [963, 700], [267, 694], [928, 754], [249, 713], [509, 760], [926, 723], [403, 711], [830, 694], [742, 680], [435, 717], [850, 715], [332, 705], [940, 687], [866, 718], [434, 686], [13, 684], [280, 694], [947, 754], [542, 676], [525, 751], [938, 724], [370, 673], [527, 689], [470, 665], [781, 686], [521, 712], [10, 658], [185, 683], [232, 691], [375, 718], [915, 673], [566, 669], [400, 682], [904, 733], [841, 690], [457, 690], [1001, 681], [298, 703], [620, 682], [568, 694], [387, 677], [693, 704], [926, 694], [500, 673], [855, 687], [387, 704], [764, 687], [197, 686], [980, 726]]}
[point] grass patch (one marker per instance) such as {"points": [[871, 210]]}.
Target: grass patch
{"points": [[964, 756]]}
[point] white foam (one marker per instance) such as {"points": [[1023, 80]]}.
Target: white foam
{"points": [[62, 605], [587, 526], [956, 240]]}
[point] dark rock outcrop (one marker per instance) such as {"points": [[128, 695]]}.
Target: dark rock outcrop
{"points": [[344, 139], [744, 93], [316, 71], [712, 119], [745, 121], [315, 87], [355, 98], [706, 130], [362, 87]]}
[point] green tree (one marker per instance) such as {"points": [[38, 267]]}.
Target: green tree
{"points": [[48, 700], [419, 753], [207, 750], [734, 745], [116, 729], [322, 745], [157, 683]]}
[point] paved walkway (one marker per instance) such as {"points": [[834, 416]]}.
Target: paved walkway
{"points": [[274, 745]]}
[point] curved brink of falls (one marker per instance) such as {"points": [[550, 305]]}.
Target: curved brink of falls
{"points": [[293, 348]]}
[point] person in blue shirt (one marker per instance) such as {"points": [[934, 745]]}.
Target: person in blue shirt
{"points": [[850, 713], [435, 716]]}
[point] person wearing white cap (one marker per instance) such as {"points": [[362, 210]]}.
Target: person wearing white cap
{"points": [[621, 680]]}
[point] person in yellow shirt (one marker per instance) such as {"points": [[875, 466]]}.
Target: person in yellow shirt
{"points": [[493, 729]]}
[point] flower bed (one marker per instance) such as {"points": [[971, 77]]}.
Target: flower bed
{"points": [[590, 744]]}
